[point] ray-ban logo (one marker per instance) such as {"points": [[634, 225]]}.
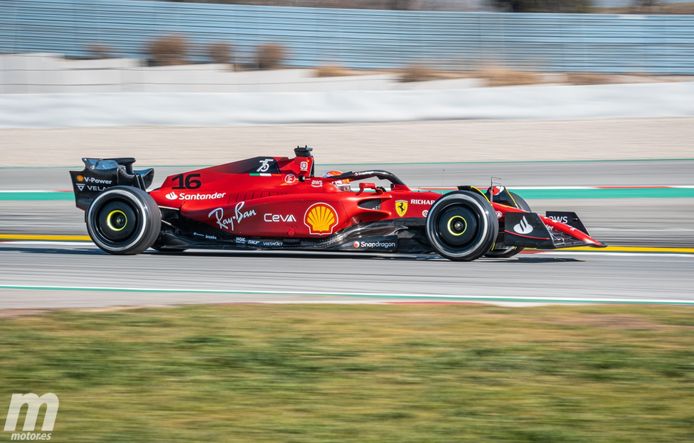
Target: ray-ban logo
{"points": [[34, 405]]}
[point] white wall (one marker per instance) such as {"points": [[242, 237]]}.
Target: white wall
{"points": [[221, 109]]}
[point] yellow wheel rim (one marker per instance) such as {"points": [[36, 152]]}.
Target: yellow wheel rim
{"points": [[450, 225], [113, 214]]}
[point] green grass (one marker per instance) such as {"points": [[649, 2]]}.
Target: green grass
{"points": [[305, 373]]}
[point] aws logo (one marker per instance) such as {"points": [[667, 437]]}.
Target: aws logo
{"points": [[321, 219]]}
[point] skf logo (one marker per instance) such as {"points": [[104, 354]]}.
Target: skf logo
{"points": [[34, 404], [401, 207], [321, 219], [171, 196]]}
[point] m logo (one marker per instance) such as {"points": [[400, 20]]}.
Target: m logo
{"points": [[34, 404], [401, 207]]}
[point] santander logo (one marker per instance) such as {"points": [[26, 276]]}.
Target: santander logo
{"points": [[523, 227], [187, 197]]}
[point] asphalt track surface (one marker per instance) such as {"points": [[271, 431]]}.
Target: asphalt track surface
{"points": [[35, 275], [41, 276], [531, 173], [620, 221]]}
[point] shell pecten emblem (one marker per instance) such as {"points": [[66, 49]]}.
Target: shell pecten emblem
{"points": [[321, 219]]}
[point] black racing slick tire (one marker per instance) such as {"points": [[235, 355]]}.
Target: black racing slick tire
{"points": [[462, 226], [123, 220], [510, 251]]}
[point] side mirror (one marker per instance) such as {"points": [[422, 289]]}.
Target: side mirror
{"points": [[364, 186]]}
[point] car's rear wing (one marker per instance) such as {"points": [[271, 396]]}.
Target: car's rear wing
{"points": [[99, 174]]}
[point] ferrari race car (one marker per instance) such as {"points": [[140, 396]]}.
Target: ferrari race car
{"points": [[278, 203]]}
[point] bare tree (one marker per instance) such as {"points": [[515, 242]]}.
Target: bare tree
{"points": [[544, 5]]}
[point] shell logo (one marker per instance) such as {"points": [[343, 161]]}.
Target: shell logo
{"points": [[80, 178], [321, 219]]}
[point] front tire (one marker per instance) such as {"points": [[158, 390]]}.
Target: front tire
{"points": [[123, 220], [462, 226]]}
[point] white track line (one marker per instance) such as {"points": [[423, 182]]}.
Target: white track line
{"points": [[540, 299]]}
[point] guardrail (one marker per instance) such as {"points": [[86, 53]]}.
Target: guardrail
{"points": [[654, 44]]}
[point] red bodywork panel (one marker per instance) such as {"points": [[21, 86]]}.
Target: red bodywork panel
{"points": [[278, 197], [286, 203]]}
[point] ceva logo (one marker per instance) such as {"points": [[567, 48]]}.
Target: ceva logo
{"points": [[34, 404]]}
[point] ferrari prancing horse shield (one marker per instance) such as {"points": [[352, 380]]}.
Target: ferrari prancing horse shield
{"points": [[401, 207]]}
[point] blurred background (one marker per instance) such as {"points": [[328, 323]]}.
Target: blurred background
{"points": [[137, 63], [311, 48], [579, 105]]}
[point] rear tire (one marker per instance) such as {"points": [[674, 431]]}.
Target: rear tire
{"points": [[123, 220], [462, 226], [510, 251]]}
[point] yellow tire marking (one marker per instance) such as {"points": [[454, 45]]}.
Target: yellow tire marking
{"points": [[450, 221], [111, 215]]}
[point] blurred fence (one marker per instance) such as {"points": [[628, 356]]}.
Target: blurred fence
{"points": [[658, 44]]}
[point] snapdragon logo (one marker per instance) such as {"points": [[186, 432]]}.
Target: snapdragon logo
{"points": [[374, 244], [34, 405]]}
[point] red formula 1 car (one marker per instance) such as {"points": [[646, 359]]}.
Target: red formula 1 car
{"points": [[278, 203]]}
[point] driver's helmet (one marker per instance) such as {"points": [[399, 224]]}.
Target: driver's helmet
{"points": [[342, 185]]}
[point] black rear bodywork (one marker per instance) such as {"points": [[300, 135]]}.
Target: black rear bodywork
{"points": [[99, 174]]}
